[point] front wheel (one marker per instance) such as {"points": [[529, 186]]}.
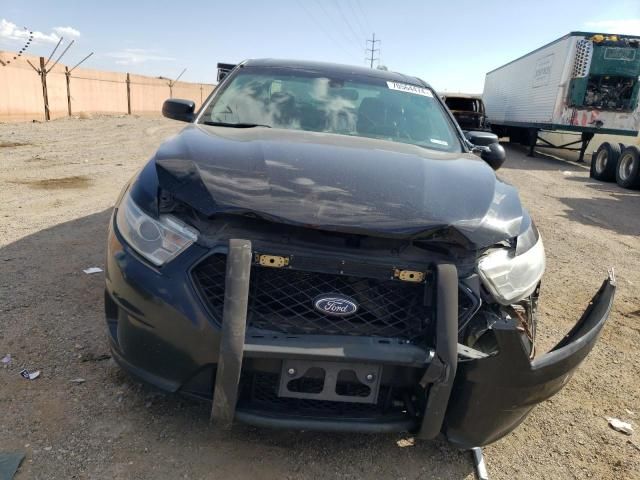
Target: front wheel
{"points": [[628, 171]]}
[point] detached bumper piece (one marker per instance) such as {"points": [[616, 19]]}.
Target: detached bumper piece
{"points": [[373, 384], [493, 395]]}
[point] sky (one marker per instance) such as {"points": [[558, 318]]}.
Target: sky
{"points": [[451, 44]]}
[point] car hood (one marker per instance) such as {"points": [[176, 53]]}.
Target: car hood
{"points": [[338, 183]]}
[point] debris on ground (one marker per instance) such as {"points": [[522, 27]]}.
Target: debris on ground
{"points": [[91, 270], [620, 426], [9, 464], [78, 380], [6, 360], [30, 374], [406, 442]]}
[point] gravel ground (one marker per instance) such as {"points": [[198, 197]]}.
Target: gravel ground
{"points": [[58, 182]]}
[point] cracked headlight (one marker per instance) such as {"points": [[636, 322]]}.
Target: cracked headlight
{"points": [[157, 240], [511, 274]]}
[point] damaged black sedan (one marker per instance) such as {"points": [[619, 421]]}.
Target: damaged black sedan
{"points": [[323, 248]]}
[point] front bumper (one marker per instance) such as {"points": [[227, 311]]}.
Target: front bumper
{"points": [[161, 332]]}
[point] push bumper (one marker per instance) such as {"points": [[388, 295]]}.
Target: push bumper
{"points": [[160, 332], [474, 403]]}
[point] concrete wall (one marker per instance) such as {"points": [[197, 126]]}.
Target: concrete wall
{"points": [[95, 91], [20, 89]]}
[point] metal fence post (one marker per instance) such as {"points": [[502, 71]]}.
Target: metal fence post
{"points": [[45, 96], [67, 74], [128, 94]]}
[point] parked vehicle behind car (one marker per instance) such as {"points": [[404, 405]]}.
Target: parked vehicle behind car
{"points": [[583, 82], [468, 110], [321, 248]]}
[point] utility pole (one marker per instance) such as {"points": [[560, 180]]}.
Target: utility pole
{"points": [[372, 50]]}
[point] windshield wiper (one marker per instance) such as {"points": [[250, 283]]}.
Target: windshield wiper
{"points": [[236, 125]]}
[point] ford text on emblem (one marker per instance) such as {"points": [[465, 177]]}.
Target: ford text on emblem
{"points": [[335, 305]]}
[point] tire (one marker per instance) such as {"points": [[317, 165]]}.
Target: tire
{"points": [[628, 169], [605, 162]]}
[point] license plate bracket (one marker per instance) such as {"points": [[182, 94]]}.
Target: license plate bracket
{"points": [[333, 381]]}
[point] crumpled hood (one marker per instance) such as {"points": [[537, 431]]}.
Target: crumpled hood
{"points": [[338, 182]]}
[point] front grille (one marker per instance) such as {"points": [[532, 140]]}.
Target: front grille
{"points": [[259, 391], [281, 300]]}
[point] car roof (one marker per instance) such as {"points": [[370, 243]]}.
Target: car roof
{"points": [[336, 68], [477, 96]]}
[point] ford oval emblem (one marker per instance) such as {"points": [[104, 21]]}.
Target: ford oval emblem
{"points": [[337, 305]]}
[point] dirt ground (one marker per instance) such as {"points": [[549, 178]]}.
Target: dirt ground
{"points": [[58, 182]]}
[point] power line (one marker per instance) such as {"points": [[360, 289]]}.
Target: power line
{"points": [[346, 20], [348, 41], [373, 50], [321, 27], [361, 28], [364, 15]]}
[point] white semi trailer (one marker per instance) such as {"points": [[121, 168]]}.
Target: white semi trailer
{"points": [[582, 82]]}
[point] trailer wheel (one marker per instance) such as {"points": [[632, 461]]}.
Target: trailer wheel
{"points": [[605, 162], [628, 171]]}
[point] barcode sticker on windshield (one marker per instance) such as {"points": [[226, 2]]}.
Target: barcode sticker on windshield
{"points": [[405, 87]]}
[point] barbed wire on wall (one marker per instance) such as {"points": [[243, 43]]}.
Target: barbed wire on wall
{"points": [[22, 50]]}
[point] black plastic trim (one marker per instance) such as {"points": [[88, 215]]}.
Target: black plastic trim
{"points": [[327, 425], [493, 395], [338, 348]]}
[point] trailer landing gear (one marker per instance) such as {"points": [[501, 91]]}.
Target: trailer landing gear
{"points": [[585, 138]]}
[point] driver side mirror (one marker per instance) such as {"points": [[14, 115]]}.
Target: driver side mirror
{"points": [[488, 147], [494, 155], [177, 109]]}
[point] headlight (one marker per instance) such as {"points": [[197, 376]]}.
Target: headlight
{"points": [[511, 274], [158, 240]]}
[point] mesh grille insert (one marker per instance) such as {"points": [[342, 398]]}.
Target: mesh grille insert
{"points": [[281, 300]]}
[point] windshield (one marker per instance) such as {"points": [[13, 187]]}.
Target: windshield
{"points": [[301, 99]]}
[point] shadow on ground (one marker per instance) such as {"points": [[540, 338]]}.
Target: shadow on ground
{"points": [[616, 212], [602, 204], [111, 426], [541, 161]]}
